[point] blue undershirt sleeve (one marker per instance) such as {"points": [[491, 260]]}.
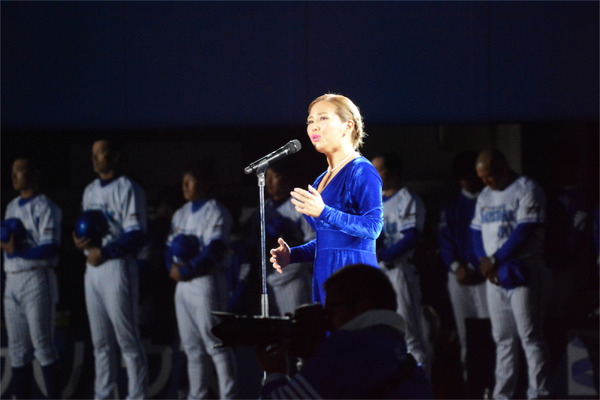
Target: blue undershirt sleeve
{"points": [[129, 243], [478, 248], [168, 254], [208, 258], [42, 252], [516, 238], [408, 242], [447, 247]]}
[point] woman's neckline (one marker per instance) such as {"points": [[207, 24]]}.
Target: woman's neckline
{"points": [[336, 174]]}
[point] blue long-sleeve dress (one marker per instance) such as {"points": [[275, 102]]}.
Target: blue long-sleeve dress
{"points": [[349, 225]]}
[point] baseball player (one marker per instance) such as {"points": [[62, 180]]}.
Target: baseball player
{"points": [[31, 240], [508, 238], [111, 275], [201, 283], [294, 287], [403, 221], [466, 285]]}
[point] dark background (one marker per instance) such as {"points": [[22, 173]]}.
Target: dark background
{"points": [[176, 81], [113, 65], [232, 80]]}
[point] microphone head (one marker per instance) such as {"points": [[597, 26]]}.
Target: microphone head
{"points": [[293, 146]]}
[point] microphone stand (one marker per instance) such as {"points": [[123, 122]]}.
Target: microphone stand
{"points": [[264, 299]]}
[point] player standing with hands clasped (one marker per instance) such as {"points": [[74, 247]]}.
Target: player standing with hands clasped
{"points": [[466, 285], [111, 275], [31, 240], [403, 221], [196, 256], [508, 238], [343, 206]]}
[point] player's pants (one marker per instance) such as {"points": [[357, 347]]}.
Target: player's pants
{"points": [[194, 302], [30, 299], [514, 314], [468, 301], [111, 296], [292, 288], [405, 280]]}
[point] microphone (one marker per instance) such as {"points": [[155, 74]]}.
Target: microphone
{"points": [[291, 147]]}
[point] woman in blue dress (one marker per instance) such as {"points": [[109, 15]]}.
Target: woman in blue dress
{"points": [[343, 206]]}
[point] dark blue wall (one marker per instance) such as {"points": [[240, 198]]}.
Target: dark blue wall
{"points": [[113, 65]]}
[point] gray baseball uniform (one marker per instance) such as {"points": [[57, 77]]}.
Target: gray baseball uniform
{"points": [[456, 248], [403, 211], [203, 289], [111, 289], [31, 290], [514, 311]]}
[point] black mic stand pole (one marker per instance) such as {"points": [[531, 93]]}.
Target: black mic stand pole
{"points": [[264, 299]]}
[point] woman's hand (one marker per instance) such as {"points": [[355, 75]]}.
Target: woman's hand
{"points": [[280, 257], [308, 202]]}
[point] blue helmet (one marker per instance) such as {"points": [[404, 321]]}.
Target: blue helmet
{"points": [[12, 226], [185, 247], [91, 224]]}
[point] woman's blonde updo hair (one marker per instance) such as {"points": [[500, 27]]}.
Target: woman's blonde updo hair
{"points": [[347, 111]]}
